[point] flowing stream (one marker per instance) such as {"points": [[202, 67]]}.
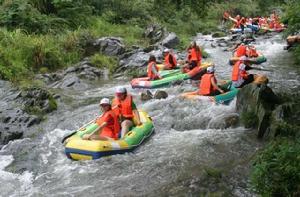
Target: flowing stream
{"points": [[192, 151]]}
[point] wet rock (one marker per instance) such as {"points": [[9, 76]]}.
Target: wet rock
{"points": [[171, 41], [213, 45], [160, 94], [222, 44], [69, 80], [138, 61], [218, 34], [259, 100], [146, 96], [14, 123], [292, 41], [71, 77], [109, 46], [155, 33], [37, 100]]}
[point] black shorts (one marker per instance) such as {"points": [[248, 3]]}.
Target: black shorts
{"points": [[250, 79], [192, 65]]}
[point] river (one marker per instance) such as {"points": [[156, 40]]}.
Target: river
{"points": [[191, 153]]}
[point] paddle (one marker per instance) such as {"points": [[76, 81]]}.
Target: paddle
{"points": [[256, 68], [69, 135]]}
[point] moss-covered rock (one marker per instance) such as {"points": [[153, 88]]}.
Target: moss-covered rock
{"points": [[256, 103], [218, 34]]}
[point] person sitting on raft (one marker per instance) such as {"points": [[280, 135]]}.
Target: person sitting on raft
{"points": [[152, 69], [108, 123], [194, 57], [170, 61], [240, 51], [239, 75], [251, 51], [125, 109], [208, 84]]}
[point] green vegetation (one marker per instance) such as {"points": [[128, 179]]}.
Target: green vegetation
{"points": [[45, 35], [277, 168], [249, 119], [103, 61], [292, 18]]}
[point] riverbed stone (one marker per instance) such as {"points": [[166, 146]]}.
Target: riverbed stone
{"points": [[159, 94], [111, 46], [154, 33], [170, 41]]}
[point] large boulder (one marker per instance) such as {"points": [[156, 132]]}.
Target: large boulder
{"points": [[37, 100], [21, 109], [14, 122], [109, 46], [170, 41], [72, 76], [259, 101], [154, 33]]}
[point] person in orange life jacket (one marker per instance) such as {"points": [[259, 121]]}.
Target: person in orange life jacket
{"points": [[125, 109], [108, 123], [239, 75], [208, 84], [274, 17], [251, 51], [237, 20], [152, 70], [194, 57], [240, 50], [170, 61]]}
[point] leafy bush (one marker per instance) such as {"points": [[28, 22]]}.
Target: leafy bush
{"points": [[249, 119], [103, 61], [276, 169], [43, 16]]}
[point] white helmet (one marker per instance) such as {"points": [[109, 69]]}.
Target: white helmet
{"points": [[166, 50], [121, 89], [105, 101], [210, 69]]}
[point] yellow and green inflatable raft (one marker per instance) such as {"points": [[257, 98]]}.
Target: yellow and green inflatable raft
{"points": [[79, 149]]}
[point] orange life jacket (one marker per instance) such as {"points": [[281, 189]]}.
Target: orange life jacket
{"points": [[271, 24], [150, 73], [240, 51], [240, 22], [189, 56], [112, 128], [237, 23], [206, 86], [195, 55], [252, 52], [123, 108], [167, 61], [236, 72]]}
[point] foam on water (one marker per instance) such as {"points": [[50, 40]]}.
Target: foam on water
{"points": [[13, 184]]}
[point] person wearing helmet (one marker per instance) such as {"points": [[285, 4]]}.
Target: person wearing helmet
{"points": [[170, 61], [125, 109], [152, 69], [239, 76], [251, 51], [208, 85], [108, 123]]}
